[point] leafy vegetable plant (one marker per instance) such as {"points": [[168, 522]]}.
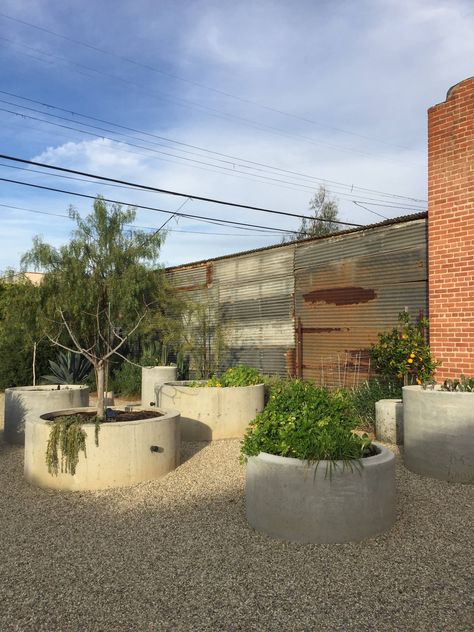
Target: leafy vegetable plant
{"points": [[235, 376], [306, 422]]}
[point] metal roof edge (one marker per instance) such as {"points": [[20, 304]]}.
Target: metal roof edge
{"points": [[387, 222]]}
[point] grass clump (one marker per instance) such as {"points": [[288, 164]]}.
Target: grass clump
{"points": [[306, 422], [364, 397]]}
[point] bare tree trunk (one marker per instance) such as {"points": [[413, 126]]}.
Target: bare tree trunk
{"points": [[100, 379], [34, 364]]}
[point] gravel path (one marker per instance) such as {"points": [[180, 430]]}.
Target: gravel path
{"points": [[177, 554]]}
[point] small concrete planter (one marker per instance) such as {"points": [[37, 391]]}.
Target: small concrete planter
{"points": [[28, 402], [291, 499], [129, 452], [389, 421], [211, 412], [439, 433], [153, 377]]}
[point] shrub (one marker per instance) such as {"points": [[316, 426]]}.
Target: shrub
{"points": [[127, 380], [235, 376], [364, 396], [403, 354], [306, 422]]}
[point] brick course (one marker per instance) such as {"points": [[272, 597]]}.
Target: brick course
{"points": [[451, 230]]}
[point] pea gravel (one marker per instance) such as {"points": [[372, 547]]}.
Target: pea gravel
{"points": [[177, 554]]}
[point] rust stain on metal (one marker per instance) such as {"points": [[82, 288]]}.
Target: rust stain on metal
{"points": [[209, 274], [341, 296]]}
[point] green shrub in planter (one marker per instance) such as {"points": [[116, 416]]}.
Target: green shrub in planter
{"points": [[306, 422], [235, 376]]}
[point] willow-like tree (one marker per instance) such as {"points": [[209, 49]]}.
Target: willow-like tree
{"points": [[101, 287]]}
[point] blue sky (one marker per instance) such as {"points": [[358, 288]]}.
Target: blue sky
{"points": [[252, 102]]}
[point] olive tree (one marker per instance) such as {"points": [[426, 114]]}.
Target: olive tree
{"points": [[101, 287]]}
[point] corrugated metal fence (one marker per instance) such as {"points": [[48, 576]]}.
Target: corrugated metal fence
{"points": [[314, 307]]}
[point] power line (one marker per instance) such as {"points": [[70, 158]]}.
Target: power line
{"points": [[263, 233], [213, 111], [152, 208], [230, 159], [167, 191], [200, 85]]}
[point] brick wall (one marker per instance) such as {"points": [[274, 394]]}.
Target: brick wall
{"points": [[451, 230]]}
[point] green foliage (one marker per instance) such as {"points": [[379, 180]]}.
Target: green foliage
{"points": [[306, 422], [203, 338], [364, 396], [403, 354], [127, 380], [23, 350], [463, 385], [102, 286], [323, 207], [235, 376], [70, 368], [66, 439]]}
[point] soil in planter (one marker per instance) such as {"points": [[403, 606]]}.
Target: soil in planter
{"points": [[89, 417]]}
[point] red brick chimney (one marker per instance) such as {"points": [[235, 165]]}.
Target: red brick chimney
{"points": [[451, 231]]}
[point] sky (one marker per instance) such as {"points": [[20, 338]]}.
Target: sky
{"points": [[257, 103]]}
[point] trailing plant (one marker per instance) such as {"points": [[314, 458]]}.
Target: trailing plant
{"points": [[463, 385], [403, 354], [364, 396], [70, 368], [307, 422], [235, 376]]}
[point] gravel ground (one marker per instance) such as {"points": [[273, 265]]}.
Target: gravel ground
{"points": [[177, 554]]}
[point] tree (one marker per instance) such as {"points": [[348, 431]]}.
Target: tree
{"points": [[326, 214], [101, 287]]}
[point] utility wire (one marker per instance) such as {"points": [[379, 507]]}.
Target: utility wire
{"points": [[256, 232], [152, 208], [167, 191], [213, 111], [231, 159], [200, 85]]}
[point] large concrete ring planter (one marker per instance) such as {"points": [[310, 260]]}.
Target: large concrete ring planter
{"points": [[209, 413], [389, 421], [28, 402], [439, 433], [152, 379], [129, 452], [293, 500]]}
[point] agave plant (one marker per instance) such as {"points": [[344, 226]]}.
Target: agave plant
{"points": [[70, 368]]}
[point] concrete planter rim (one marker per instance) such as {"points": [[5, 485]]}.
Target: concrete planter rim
{"points": [[166, 414], [383, 456], [47, 388], [436, 391], [187, 384]]}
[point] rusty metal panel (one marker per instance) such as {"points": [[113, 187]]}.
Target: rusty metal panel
{"points": [[349, 288], [256, 303]]}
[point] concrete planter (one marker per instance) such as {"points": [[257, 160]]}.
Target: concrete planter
{"points": [[209, 413], [389, 421], [153, 378], [293, 500], [439, 433], [129, 452], [28, 402]]}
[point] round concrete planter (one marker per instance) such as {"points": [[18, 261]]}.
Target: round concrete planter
{"points": [[294, 500], [152, 379], [209, 413], [439, 433], [28, 402], [129, 452], [389, 421]]}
